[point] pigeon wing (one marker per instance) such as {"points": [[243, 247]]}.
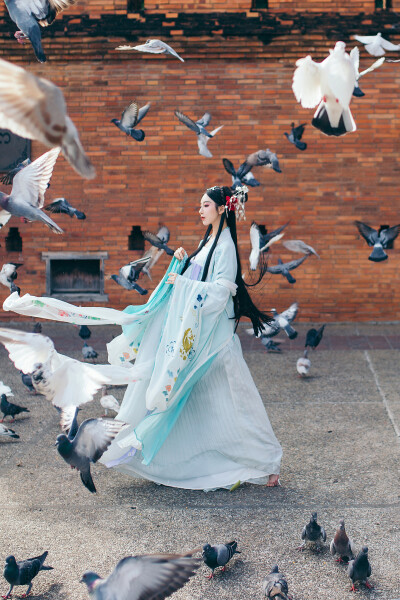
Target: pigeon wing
{"points": [[271, 241], [299, 246], [290, 313], [355, 59], [298, 131], [5, 216], [31, 183], [374, 66], [229, 167], [67, 418], [306, 82], [369, 234], [388, 235], [130, 115], [202, 141], [365, 39], [250, 179], [188, 122], [56, 6], [143, 112], [75, 383], [388, 45], [94, 436], [205, 119], [293, 264], [164, 234], [26, 349], [140, 263], [215, 131], [255, 246]]}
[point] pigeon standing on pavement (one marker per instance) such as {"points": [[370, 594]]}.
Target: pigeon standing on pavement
{"points": [[9, 409], [360, 569], [8, 432], [88, 352], [131, 117], [295, 136], [284, 268], [303, 364], [62, 206], [23, 572], [313, 534], [342, 545], [275, 585], [376, 45], [154, 47], [218, 555], [313, 337], [355, 58], [8, 274], [379, 240], [199, 127]]}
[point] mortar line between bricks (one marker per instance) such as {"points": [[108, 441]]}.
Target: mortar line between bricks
{"points": [[382, 393]]}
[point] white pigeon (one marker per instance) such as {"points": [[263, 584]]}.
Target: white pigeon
{"points": [[109, 402], [329, 85], [4, 389], [7, 432], [8, 272], [154, 47], [303, 364], [355, 58], [255, 239], [376, 45]]}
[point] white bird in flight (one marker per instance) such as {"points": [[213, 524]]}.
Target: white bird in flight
{"points": [[154, 47], [376, 45]]}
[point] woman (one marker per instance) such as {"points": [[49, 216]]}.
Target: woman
{"points": [[196, 419]]}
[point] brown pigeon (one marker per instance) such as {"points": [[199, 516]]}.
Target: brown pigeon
{"points": [[342, 545]]}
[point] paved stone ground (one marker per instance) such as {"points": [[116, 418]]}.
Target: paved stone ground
{"points": [[341, 458]]}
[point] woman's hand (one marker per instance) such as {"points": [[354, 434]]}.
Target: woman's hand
{"points": [[179, 253], [172, 278]]}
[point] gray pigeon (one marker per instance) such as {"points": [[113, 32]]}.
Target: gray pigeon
{"points": [[199, 127], [342, 545], [379, 240], [8, 274], [27, 381], [264, 158], [8, 178], [299, 246], [23, 571], [313, 534], [275, 585], [218, 555], [9, 409], [295, 136], [158, 242], [84, 332], [131, 117], [28, 14], [88, 352], [284, 268], [89, 444], [61, 205], [270, 345], [280, 321], [360, 569], [313, 337], [153, 254], [8, 432], [129, 274], [145, 577], [154, 47], [242, 176]]}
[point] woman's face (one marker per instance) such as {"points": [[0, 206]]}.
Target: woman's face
{"points": [[210, 213]]}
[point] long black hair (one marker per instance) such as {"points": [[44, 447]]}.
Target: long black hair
{"points": [[243, 304]]}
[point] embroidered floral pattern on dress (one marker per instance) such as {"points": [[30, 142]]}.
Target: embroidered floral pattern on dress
{"points": [[170, 384], [187, 343]]}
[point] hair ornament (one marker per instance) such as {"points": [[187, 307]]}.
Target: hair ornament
{"points": [[236, 202]]}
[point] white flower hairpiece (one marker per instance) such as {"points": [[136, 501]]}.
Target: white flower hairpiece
{"points": [[236, 202]]}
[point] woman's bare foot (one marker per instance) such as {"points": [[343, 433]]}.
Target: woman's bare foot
{"points": [[273, 481]]}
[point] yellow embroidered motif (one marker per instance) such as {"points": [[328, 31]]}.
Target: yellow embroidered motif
{"points": [[187, 343]]}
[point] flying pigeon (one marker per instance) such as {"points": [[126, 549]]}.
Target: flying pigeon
{"points": [[264, 158], [28, 189], [333, 80], [153, 254], [342, 545], [376, 45], [314, 337], [23, 572], [280, 321], [284, 268], [260, 242], [61, 205], [28, 15], [275, 585], [129, 274], [88, 352], [295, 136], [5, 389], [158, 242], [131, 117], [34, 108], [199, 127], [109, 402], [218, 555], [355, 58], [84, 332], [88, 446], [151, 576], [154, 47], [360, 569], [241, 176], [303, 364], [7, 179], [312, 534], [299, 246], [9, 409], [8, 274], [379, 240]]}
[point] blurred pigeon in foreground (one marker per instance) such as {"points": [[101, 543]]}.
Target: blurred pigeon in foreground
{"points": [[295, 136], [218, 555], [360, 569], [376, 45], [7, 179], [299, 246], [88, 352], [313, 534], [342, 544], [27, 381], [5, 389], [260, 242], [8, 274], [303, 364], [275, 585], [379, 240], [89, 444], [199, 127], [28, 189], [282, 320], [9, 409], [153, 254], [355, 58], [61, 205], [270, 345], [158, 242], [129, 274], [284, 268], [333, 80], [34, 108], [154, 47], [314, 337], [23, 571], [131, 117], [149, 576], [109, 402], [84, 332], [8, 432]]}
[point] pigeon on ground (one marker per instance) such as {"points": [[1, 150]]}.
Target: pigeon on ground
{"points": [[88, 446], [270, 345], [149, 576], [128, 275], [360, 569], [153, 254], [218, 555], [28, 15], [379, 240], [84, 332], [333, 80], [34, 108], [303, 364], [275, 585], [7, 179], [342, 545], [61, 205], [109, 402], [284, 268], [355, 58], [28, 189], [7, 432], [295, 136], [5, 389], [199, 127], [9, 409], [8, 274], [242, 176], [27, 381], [158, 242], [88, 352], [313, 534], [376, 45], [154, 47], [314, 337], [23, 572], [260, 242], [299, 246], [131, 117], [280, 321]]}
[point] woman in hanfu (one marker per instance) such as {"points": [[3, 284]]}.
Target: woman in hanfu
{"points": [[196, 419]]}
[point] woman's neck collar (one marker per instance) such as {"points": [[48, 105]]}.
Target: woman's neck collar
{"points": [[214, 234]]}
